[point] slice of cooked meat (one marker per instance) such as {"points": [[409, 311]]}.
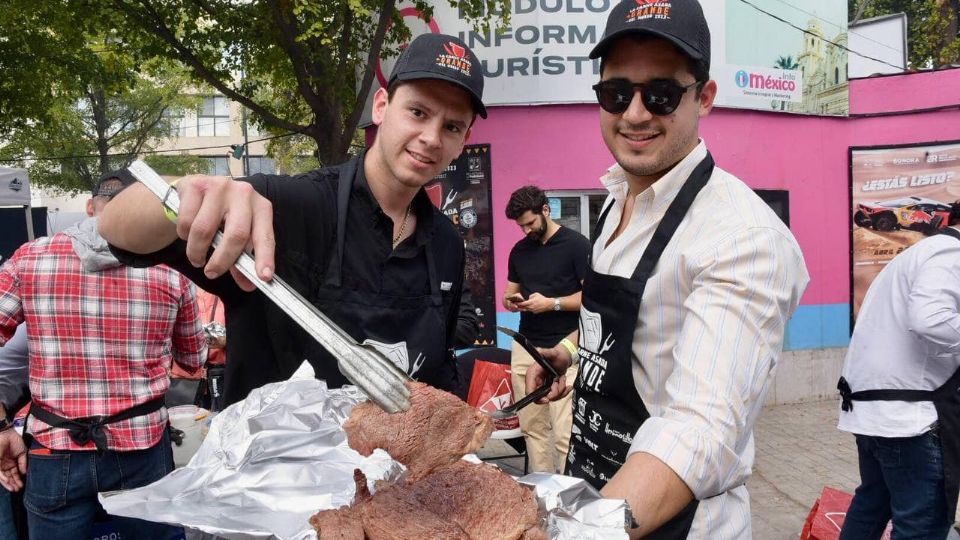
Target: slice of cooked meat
{"points": [[363, 491], [534, 533], [346, 522], [394, 514], [463, 501], [341, 524], [438, 429], [483, 500]]}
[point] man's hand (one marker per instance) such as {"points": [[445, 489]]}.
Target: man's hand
{"points": [[559, 358], [512, 301], [206, 202], [537, 303], [13, 460]]}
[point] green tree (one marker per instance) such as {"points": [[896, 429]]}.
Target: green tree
{"points": [[786, 62], [117, 115], [177, 164], [71, 93], [302, 66], [932, 27], [42, 59]]}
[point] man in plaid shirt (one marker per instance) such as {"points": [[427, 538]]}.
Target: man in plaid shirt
{"points": [[101, 338]]}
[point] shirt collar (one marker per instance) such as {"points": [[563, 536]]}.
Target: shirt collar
{"points": [[421, 206], [666, 188]]}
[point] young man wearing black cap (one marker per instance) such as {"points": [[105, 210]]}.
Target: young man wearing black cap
{"points": [[360, 240], [101, 338], [692, 281]]}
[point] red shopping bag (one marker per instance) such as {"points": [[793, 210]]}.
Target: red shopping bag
{"points": [[490, 390], [826, 517]]}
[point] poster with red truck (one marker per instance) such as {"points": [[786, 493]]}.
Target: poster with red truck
{"points": [[898, 195]]}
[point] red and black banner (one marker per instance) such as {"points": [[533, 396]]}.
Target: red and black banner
{"points": [[462, 193]]}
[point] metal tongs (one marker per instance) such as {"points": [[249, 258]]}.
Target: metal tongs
{"points": [[544, 388], [370, 370]]}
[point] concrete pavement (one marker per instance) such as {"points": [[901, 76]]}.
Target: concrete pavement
{"points": [[799, 451]]}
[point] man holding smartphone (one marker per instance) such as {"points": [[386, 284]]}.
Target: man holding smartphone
{"points": [[545, 272]]}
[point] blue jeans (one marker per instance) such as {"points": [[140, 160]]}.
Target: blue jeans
{"points": [[900, 479], [7, 529], [61, 490]]}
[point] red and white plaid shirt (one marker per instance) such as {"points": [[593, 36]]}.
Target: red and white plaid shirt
{"points": [[100, 342]]}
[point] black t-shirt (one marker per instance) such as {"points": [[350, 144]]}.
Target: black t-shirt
{"points": [[263, 343], [554, 269]]}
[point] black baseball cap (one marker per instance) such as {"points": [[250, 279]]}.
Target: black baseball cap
{"points": [[680, 22], [121, 175], [442, 57]]}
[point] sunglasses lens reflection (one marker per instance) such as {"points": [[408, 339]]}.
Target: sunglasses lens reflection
{"points": [[659, 97]]}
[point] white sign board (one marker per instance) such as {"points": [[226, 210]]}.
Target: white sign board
{"points": [[766, 54], [880, 38], [14, 187]]}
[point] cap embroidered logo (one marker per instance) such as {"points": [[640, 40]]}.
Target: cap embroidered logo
{"points": [[649, 9], [455, 57], [454, 49]]}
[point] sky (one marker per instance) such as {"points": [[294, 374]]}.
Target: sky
{"points": [[743, 23]]}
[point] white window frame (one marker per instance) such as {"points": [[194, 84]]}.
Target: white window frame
{"points": [[214, 125], [584, 195]]}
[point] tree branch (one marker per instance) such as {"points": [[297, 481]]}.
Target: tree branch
{"points": [[143, 134], [303, 69], [154, 23], [346, 36], [386, 13], [864, 4]]}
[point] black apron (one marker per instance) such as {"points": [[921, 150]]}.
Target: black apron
{"points": [[409, 330], [946, 400], [84, 430], [607, 408]]}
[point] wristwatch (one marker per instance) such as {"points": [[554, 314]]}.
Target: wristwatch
{"points": [[5, 424], [556, 304]]}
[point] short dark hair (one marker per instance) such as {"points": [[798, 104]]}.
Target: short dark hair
{"points": [[698, 68], [526, 198]]}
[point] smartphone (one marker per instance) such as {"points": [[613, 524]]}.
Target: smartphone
{"points": [[516, 297]]}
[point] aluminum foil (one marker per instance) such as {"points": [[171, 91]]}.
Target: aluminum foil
{"points": [[271, 461], [575, 510]]}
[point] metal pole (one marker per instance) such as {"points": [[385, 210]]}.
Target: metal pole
{"points": [[29, 212], [246, 146]]}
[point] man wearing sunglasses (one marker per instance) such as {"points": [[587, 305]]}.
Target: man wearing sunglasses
{"points": [[692, 281]]}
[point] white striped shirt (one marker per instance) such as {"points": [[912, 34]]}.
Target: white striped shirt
{"points": [[710, 331]]}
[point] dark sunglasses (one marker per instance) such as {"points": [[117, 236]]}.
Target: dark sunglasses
{"points": [[660, 97]]}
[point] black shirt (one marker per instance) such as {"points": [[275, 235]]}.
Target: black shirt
{"points": [[554, 269], [263, 343]]}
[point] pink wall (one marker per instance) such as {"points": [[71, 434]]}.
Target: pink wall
{"points": [[902, 92], [559, 147]]}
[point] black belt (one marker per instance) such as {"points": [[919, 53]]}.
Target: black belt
{"points": [[84, 430]]}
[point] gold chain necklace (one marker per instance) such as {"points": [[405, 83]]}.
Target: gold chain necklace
{"points": [[403, 225]]}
